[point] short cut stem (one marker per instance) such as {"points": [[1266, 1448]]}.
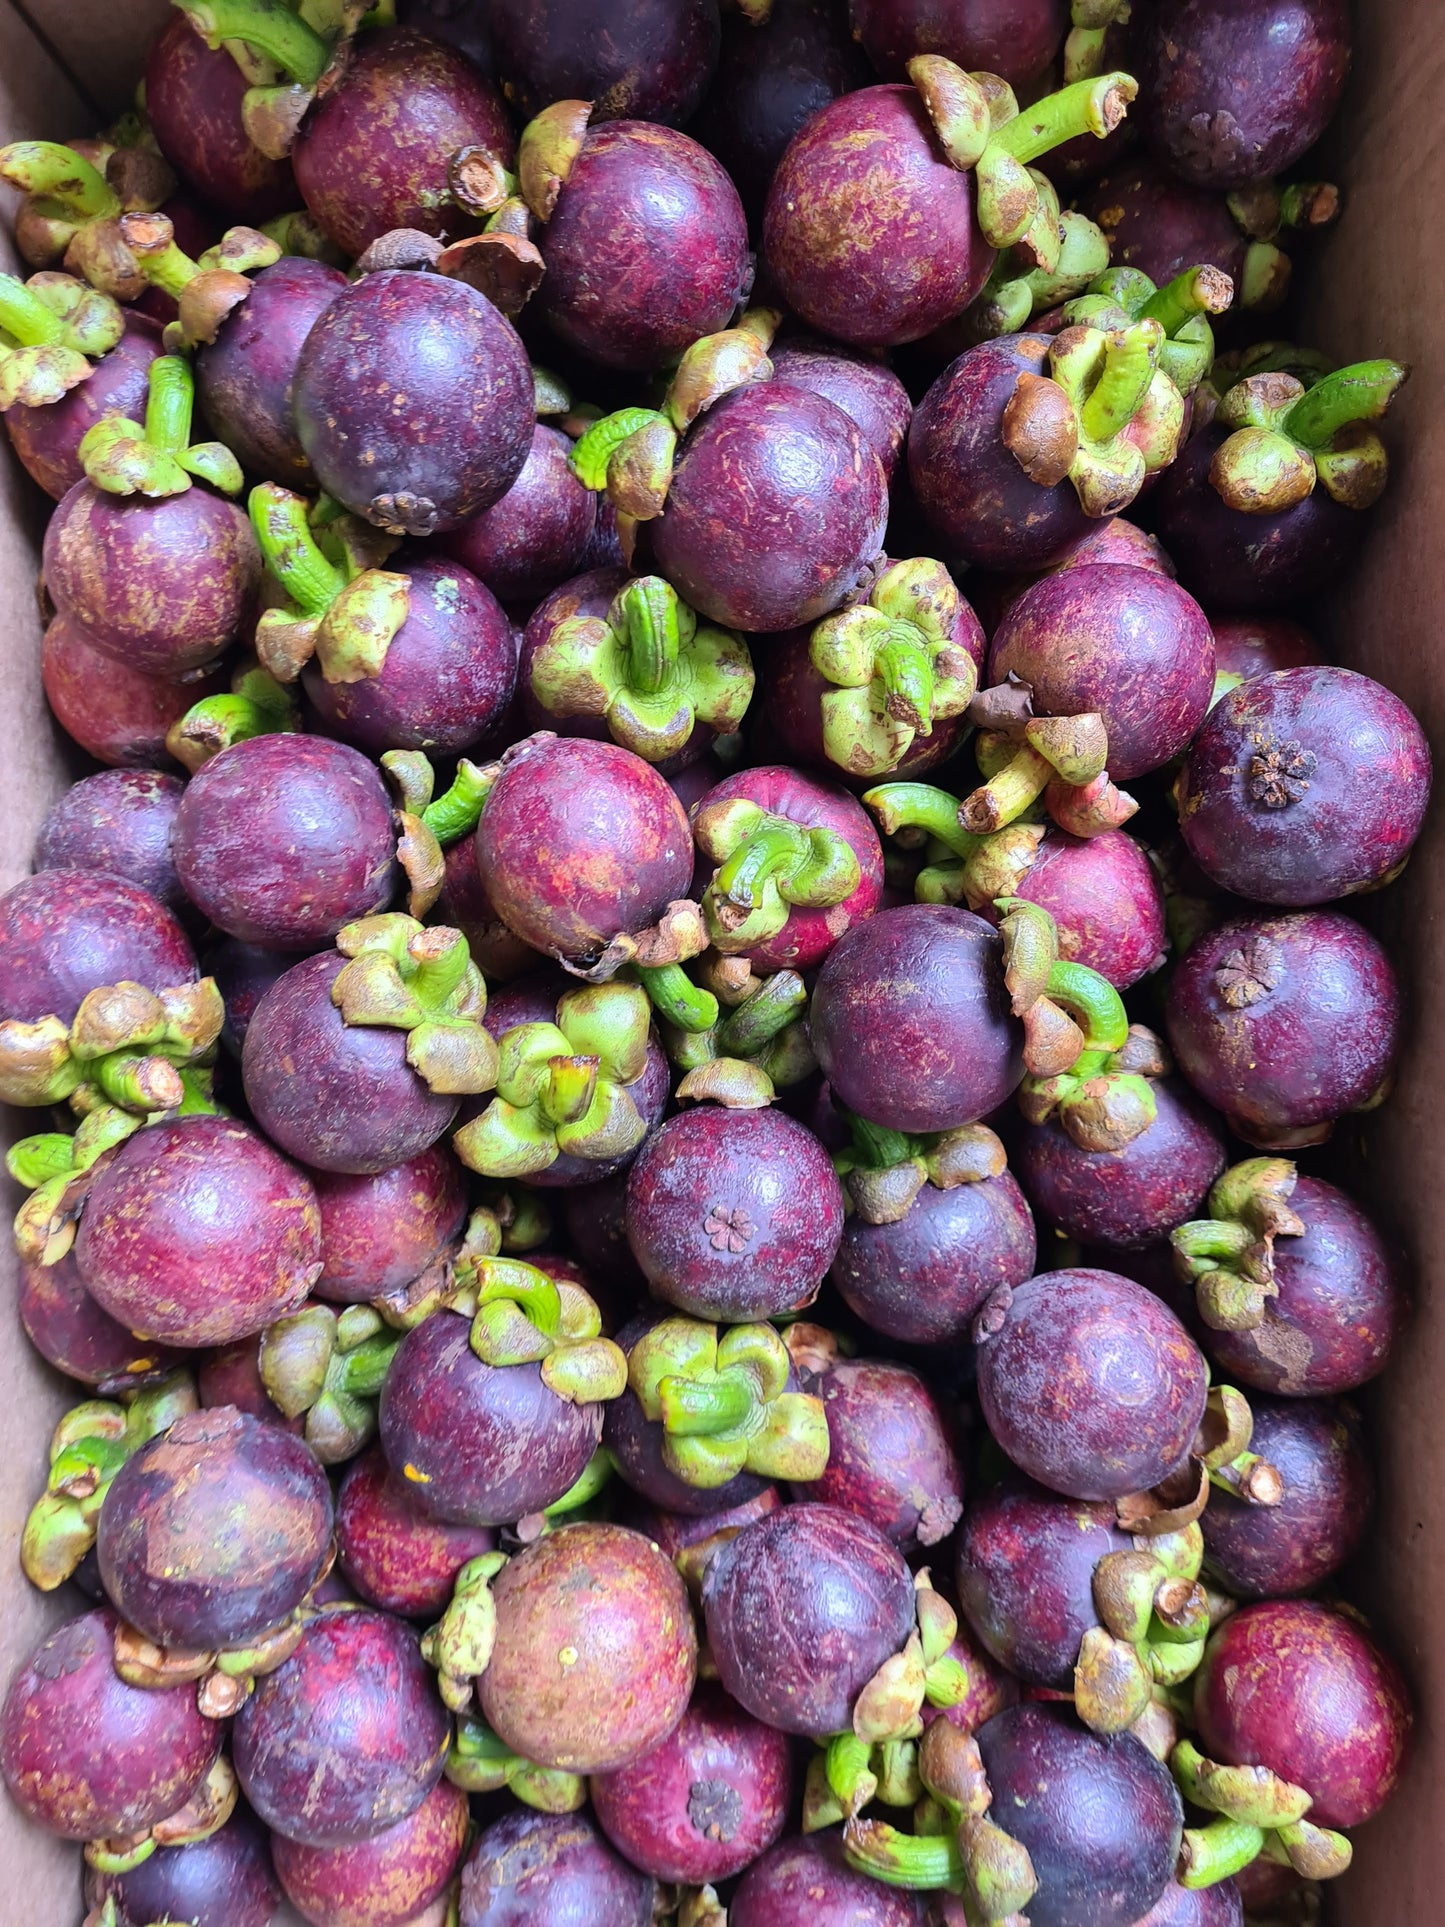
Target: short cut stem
{"points": [[1094, 106], [24, 315], [290, 549], [1359, 393], [1129, 364]]}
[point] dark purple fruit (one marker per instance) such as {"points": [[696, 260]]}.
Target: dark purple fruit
{"points": [[534, 538], [224, 1880], [892, 1453], [589, 594], [47, 436], [1018, 40], [118, 821], [347, 1736], [396, 1557], [117, 714], [1246, 646], [809, 1880], [551, 1870], [1156, 223], [867, 392], [194, 97], [651, 62], [244, 972], [72, 1333], [635, 1444], [1219, 1906], [389, 1880], [596, 1219], [382, 1229], [65, 933]]}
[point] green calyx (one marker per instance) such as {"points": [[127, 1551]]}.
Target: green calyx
{"points": [[206, 291], [51, 328], [1259, 1812], [1266, 213], [1287, 436], [256, 705], [88, 1447], [883, 1171], [54, 1167], [894, 667], [1017, 290], [748, 1053], [157, 457], [284, 53], [270, 28], [1229, 1256], [1122, 295], [962, 866], [329, 1366], [510, 1220], [404, 975], [1084, 1062], [922, 1673], [125, 1047], [1154, 1620], [457, 811], [341, 607], [1023, 757], [521, 1316], [768, 865], [479, 1762], [723, 1401], [648, 668], [460, 1645], [847, 1774], [1084, 47], [562, 1087], [299, 235], [74, 203]]}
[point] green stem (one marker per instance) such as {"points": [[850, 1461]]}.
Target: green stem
{"points": [[268, 26], [877, 1146], [1361, 392], [60, 174], [1129, 364], [362, 1373], [1212, 1238], [926, 1863], [457, 810], [697, 1408], [435, 978], [677, 999], [1093, 1002], [290, 550], [569, 1090], [169, 268], [1180, 300], [905, 669], [647, 611], [24, 315], [1218, 1851], [169, 404], [1056, 118], [754, 1024], [776, 844], [919, 806], [1010, 791]]}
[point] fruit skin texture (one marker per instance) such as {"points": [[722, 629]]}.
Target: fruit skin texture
{"points": [[213, 1533], [646, 249], [392, 1554], [802, 1609], [198, 1233], [347, 1737], [1090, 1384], [869, 231], [414, 401], [222, 1881], [1126, 642], [1026, 1562], [1265, 1552], [1248, 646], [244, 377], [47, 437], [1105, 899], [609, 1599], [372, 154], [808, 1879], [920, 1281], [65, 933], [706, 1802], [581, 842], [163, 586], [551, 1870], [1016, 40], [1218, 1906], [244, 972], [386, 1881], [475, 1444], [1290, 1685], [1340, 1308], [734, 1214], [1284, 1023], [1233, 91], [911, 1022], [1304, 786], [867, 392], [651, 61], [531, 540], [280, 840], [1131, 1197], [892, 1456], [193, 103], [1155, 222], [116, 714], [382, 1229], [88, 1757], [741, 540], [1101, 1818], [72, 1333], [119, 821]]}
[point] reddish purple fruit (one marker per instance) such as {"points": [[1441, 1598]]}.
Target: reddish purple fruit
{"points": [[72, 1333], [911, 1022], [119, 821], [88, 1757], [394, 1556], [347, 1736], [1105, 899], [809, 1880], [1306, 1693], [590, 594], [869, 393], [197, 1233], [389, 1880], [1304, 786], [1018, 40], [224, 1880], [706, 1802], [802, 1609], [734, 1214], [596, 1219], [1246, 646], [47, 436], [1089, 1383], [551, 1870], [65, 933], [1133, 1196], [892, 1453], [534, 538], [118, 715], [1285, 1023], [212, 1534], [194, 96], [595, 1654], [776, 510], [280, 840], [1218, 1906], [381, 1229], [651, 61]]}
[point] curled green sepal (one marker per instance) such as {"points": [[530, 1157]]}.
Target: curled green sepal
{"points": [[255, 705], [460, 1645], [330, 1366], [74, 205], [524, 1317], [341, 607], [563, 1086], [51, 328], [54, 1167], [479, 1762], [883, 1170], [124, 1047], [1288, 436], [157, 457], [1127, 414], [1259, 1812], [964, 866], [1084, 1062], [404, 975], [1154, 1620], [847, 1774], [458, 810], [1229, 1256], [724, 1403], [922, 1673], [767, 866], [1017, 290], [1121, 295], [893, 667], [87, 1448], [647, 668], [746, 1055], [1023, 757]]}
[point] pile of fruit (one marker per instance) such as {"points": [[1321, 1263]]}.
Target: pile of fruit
{"points": [[679, 1056]]}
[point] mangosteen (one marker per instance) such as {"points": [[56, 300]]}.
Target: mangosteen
{"points": [[72, 1333], [388, 1880], [391, 1552], [119, 821], [65, 933], [382, 1229], [225, 1880], [117, 714], [653, 63], [866, 391], [892, 1452], [548, 1870], [533, 539], [809, 1878], [195, 103]]}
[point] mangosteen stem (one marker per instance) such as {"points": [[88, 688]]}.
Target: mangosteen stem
{"points": [[1361, 392], [924, 1863], [59, 174], [257, 706], [648, 612], [290, 550], [1217, 1852], [1197, 291], [1008, 792], [905, 670], [876, 1147], [269, 27], [754, 1024], [1091, 1000], [920, 806], [25, 316], [169, 404], [677, 999], [692, 1408], [1130, 361], [362, 1373], [458, 810], [1093, 106]]}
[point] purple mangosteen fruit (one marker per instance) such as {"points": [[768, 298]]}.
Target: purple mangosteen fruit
{"points": [[195, 97], [225, 1880], [1285, 1023], [550, 1870], [1103, 894], [651, 63], [705, 1803], [381, 1229], [466, 906], [72, 1333], [119, 821], [282, 840], [809, 1879], [534, 538], [244, 972], [1304, 785], [65, 933], [1219, 1906], [595, 1217], [866, 391], [347, 1736], [1246, 646], [196, 1232], [892, 1452], [117, 714], [46, 431], [734, 1214], [389, 1880], [392, 1554], [1018, 41]]}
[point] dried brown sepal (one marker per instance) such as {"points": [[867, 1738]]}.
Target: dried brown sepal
{"points": [[272, 117], [1170, 1506], [505, 267], [1041, 429], [399, 247], [422, 860], [1088, 809]]}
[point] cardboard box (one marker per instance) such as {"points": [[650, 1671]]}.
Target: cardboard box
{"points": [[1376, 287]]}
